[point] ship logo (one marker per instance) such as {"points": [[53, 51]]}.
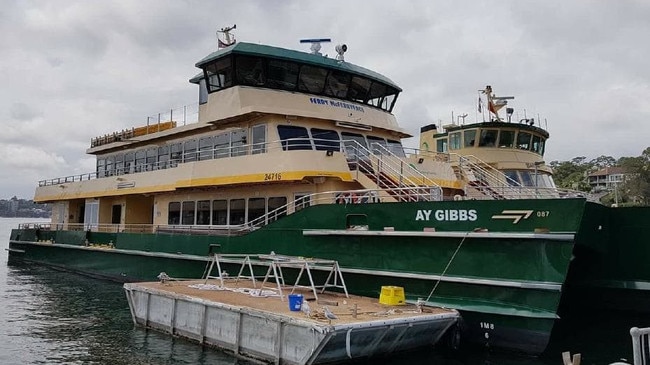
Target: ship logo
{"points": [[515, 215]]}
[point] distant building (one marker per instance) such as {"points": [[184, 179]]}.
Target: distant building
{"points": [[607, 178]]}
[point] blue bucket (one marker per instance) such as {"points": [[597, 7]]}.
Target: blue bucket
{"points": [[295, 302]]}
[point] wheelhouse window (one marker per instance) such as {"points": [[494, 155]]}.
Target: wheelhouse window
{"points": [[469, 137], [325, 139], [454, 141], [523, 140], [337, 84], [441, 145], [282, 74], [359, 89], [250, 70], [538, 144], [294, 138], [488, 137], [219, 74], [203, 92], [312, 79], [506, 139]]}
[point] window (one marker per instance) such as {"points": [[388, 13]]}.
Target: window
{"points": [[537, 145], [109, 166], [203, 92], [203, 212], [312, 79], [294, 138], [454, 141], [441, 145], [258, 135], [512, 178], [355, 144], [325, 139], [301, 201], [91, 214], [337, 84], [237, 211], [163, 157], [238, 142], [282, 75], [140, 159], [220, 212], [277, 208], [469, 138], [152, 158], [129, 163], [506, 139], [219, 74], [119, 164], [174, 213], [187, 214], [205, 148], [256, 208], [523, 140], [359, 89], [176, 155], [250, 70], [396, 148], [488, 137], [376, 145], [389, 100], [377, 92], [101, 167], [222, 145], [189, 150]]}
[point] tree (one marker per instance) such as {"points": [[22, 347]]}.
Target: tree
{"points": [[603, 162]]}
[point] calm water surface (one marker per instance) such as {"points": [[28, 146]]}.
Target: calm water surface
{"points": [[52, 317]]}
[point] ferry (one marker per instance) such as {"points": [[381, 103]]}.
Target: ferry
{"points": [[300, 154]]}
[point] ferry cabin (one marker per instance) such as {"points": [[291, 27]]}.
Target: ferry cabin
{"points": [[274, 127]]}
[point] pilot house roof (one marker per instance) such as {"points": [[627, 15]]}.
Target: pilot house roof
{"points": [[251, 49]]}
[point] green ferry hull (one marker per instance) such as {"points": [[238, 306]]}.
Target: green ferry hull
{"points": [[611, 268], [502, 264]]}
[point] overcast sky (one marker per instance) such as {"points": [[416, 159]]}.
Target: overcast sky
{"points": [[73, 70]]}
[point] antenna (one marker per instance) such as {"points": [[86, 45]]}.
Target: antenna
{"points": [[228, 41], [315, 44]]}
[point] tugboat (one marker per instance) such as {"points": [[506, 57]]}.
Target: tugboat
{"points": [[299, 154]]}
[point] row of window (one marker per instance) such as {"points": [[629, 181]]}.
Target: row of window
{"points": [[502, 138], [287, 75], [529, 178], [234, 143], [224, 212]]}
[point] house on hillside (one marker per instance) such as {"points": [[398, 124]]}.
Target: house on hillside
{"points": [[607, 178]]}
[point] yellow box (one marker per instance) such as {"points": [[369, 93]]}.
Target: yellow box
{"points": [[392, 295]]}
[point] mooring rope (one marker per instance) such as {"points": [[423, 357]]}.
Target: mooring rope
{"points": [[447, 267]]}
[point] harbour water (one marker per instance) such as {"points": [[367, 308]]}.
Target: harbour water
{"points": [[53, 317]]}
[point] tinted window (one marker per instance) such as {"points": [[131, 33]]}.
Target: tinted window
{"points": [[523, 140], [312, 79], [282, 74], [337, 84], [174, 213], [469, 138], [488, 137], [294, 138], [506, 139], [359, 89], [376, 145], [454, 141], [250, 70], [325, 139], [219, 74], [396, 148]]}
